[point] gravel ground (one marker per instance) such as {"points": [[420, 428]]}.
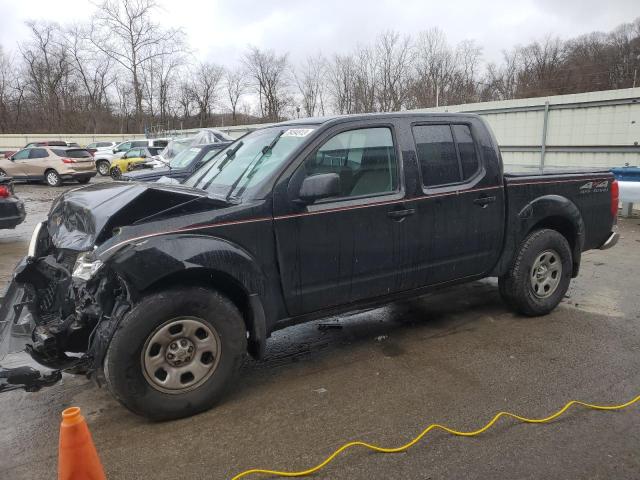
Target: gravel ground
{"points": [[455, 357]]}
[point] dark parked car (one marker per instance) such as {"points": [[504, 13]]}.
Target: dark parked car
{"points": [[180, 166], [12, 211], [163, 288]]}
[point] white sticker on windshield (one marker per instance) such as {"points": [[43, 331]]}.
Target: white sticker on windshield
{"points": [[297, 132]]}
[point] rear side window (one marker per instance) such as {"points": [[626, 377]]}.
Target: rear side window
{"points": [[159, 143], [139, 143], [77, 153], [446, 154], [38, 153], [103, 144]]}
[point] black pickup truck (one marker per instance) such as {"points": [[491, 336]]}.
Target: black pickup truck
{"points": [[162, 289]]}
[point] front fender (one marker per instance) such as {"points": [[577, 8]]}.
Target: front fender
{"points": [[149, 261], [548, 211]]}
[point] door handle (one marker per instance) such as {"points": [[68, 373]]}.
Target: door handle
{"points": [[400, 214], [484, 201]]}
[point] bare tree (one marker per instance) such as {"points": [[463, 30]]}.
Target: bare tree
{"points": [[268, 73], [394, 58], [310, 82], [342, 83], [93, 73], [46, 61], [366, 82], [204, 89], [235, 84], [435, 64], [124, 31]]}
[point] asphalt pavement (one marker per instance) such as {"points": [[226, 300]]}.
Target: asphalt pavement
{"points": [[456, 357]]}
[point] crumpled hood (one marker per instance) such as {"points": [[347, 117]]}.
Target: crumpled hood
{"points": [[81, 218]]}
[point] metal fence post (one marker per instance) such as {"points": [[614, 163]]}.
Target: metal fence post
{"points": [[543, 144]]}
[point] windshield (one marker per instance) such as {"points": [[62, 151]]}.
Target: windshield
{"points": [[243, 166], [184, 158]]}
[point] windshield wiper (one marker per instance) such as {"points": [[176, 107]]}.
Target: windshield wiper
{"points": [[254, 164], [232, 153]]}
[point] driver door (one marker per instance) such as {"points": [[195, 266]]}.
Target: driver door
{"points": [[350, 247]]}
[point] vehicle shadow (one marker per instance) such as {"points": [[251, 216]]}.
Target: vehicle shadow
{"points": [[435, 315]]}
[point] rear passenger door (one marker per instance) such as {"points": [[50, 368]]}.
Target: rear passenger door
{"points": [[346, 248], [458, 227]]}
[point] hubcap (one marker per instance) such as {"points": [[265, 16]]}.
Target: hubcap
{"points": [[180, 355], [52, 178], [104, 169], [546, 274]]}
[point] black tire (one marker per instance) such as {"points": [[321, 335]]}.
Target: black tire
{"points": [[124, 368], [84, 180], [103, 167], [115, 173], [3, 173], [516, 286], [52, 178]]}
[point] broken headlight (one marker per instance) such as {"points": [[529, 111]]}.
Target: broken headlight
{"points": [[85, 267]]}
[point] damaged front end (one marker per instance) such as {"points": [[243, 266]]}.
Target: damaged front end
{"points": [[61, 307]]}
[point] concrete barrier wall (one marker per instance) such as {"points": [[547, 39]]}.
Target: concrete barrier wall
{"points": [[584, 130]]}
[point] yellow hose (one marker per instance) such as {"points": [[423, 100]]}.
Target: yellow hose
{"points": [[433, 426]]}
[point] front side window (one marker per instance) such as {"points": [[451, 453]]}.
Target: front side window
{"points": [[123, 147], [364, 159], [446, 154], [21, 155]]}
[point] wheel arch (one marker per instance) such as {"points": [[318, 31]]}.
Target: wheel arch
{"points": [[163, 263], [554, 212]]}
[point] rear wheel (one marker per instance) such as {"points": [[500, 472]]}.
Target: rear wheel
{"points": [[103, 167], [116, 173], [3, 173], [540, 275], [52, 178], [175, 353]]}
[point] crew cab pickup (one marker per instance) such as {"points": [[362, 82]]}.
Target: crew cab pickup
{"points": [[161, 289]]}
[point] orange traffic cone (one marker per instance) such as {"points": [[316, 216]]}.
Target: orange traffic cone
{"points": [[77, 458]]}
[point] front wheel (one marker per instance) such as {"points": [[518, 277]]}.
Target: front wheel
{"points": [[175, 353], [116, 173], [540, 274]]}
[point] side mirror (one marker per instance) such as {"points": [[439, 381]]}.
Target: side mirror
{"points": [[316, 187]]}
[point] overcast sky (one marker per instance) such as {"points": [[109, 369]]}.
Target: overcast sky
{"points": [[219, 30]]}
